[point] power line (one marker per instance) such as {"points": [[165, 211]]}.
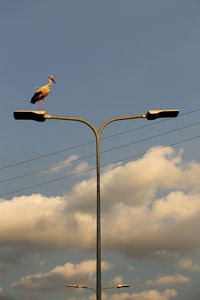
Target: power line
{"points": [[45, 155], [105, 151], [92, 169], [158, 148], [90, 142], [44, 169]]}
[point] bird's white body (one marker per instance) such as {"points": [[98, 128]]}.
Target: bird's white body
{"points": [[45, 89], [42, 92]]}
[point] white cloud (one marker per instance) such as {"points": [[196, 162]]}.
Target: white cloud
{"points": [[60, 166], [169, 280], [81, 167], [136, 182], [82, 273], [144, 230], [187, 264], [144, 295], [134, 222], [176, 206]]}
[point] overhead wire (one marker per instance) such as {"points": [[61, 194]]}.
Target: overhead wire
{"points": [[90, 142], [94, 168], [92, 155], [102, 152]]}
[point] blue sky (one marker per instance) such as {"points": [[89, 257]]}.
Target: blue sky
{"points": [[109, 59]]}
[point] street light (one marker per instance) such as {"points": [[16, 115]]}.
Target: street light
{"points": [[29, 115], [118, 286], [155, 114], [42, 116]]}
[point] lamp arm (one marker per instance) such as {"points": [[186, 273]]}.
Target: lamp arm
{"points": [[119, 119]]}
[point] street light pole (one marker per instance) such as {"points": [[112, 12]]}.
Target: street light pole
{"points": [[98, 236], [98, 246], [42, 116]]}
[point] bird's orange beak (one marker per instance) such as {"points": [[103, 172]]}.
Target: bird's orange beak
{"points": [[53, 80]]}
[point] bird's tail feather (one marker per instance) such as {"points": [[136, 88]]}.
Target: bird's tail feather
{"points": [[36, 97]]}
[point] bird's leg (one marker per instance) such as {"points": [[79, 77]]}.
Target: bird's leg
{"points": [[38, 105], [43, 103]]}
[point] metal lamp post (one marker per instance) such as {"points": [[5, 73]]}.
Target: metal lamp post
{"points": [[42, 116]]}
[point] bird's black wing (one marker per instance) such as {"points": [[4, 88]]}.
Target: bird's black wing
{"points": [[36, 97]]}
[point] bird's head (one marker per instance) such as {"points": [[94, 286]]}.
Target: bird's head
{"points": [[51, 77]]}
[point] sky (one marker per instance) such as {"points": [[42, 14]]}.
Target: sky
{"points": [[109, 59]]}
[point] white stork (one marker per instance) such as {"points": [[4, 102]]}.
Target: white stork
{"points": [[42, 92]]}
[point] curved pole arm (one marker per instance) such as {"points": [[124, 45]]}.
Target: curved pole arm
{"points": [[81, 287], [73, 119], [92, 289], [108, 287], [90, 125], [119, 119]]}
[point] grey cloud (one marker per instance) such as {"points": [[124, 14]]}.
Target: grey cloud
{"points": [[57, 278], [169, 280], [141, 224], [4, 296], [11, 255], [144, 295]]}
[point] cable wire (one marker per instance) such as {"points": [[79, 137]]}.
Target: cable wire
{"points": [[91, 142], [92, 169], [102, 152]]}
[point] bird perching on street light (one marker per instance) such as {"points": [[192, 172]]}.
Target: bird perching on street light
{"points": [[42, 92]]}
